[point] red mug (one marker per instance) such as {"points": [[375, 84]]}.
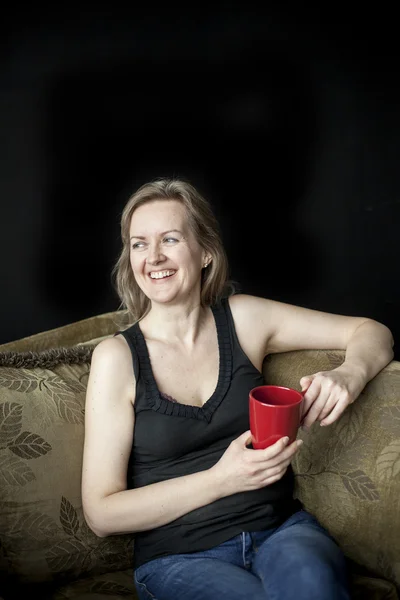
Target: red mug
{"points": [[275, 412]]}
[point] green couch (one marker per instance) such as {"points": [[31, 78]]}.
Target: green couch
{"points": [[347, 474]]}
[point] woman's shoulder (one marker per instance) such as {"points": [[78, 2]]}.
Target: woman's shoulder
{"points": [[246, 304], [246, 310], [256, 313], [111, 371], [252, 324], [111, 352]]}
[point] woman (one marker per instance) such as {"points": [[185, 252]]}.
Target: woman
{"points": [[167, 438]]}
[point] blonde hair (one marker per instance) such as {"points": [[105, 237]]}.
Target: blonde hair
{"points": [[204, 225]]}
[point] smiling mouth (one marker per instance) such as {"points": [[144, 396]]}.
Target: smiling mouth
{"points": [[161, 274]]}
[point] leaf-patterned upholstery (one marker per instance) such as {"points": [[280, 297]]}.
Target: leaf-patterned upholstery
{"points": [[44, 537], [347, 474]]}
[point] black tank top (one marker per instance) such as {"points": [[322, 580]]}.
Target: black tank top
{"points": [[173, 439]]}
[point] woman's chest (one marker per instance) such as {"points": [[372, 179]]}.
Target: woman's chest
{"points": [[188, 378], [167, 430]]}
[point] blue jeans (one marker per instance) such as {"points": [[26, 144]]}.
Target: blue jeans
{"points": [[298, 560]]}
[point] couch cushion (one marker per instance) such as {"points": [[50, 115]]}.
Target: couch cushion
{"points": [[348, 474], [43, 534], [118, 585], [364, 587]]}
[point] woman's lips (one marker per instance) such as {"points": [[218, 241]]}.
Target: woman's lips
{"points": [[162, 275]]}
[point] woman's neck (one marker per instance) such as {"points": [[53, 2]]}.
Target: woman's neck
{"points": [[175, 324]]}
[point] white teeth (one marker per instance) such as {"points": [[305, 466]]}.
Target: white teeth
{"points": [[161, 274]]}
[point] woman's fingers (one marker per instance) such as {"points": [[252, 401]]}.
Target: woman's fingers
{"points": [[335, 413], [326, 391], [286, 455], [270, 452], [275, 454], [276, 472], [323, 400]]}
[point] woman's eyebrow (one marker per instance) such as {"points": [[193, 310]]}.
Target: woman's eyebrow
{"points": [[141, 237]]}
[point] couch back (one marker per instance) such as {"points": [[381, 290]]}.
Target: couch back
{"points": [[347, 474]]}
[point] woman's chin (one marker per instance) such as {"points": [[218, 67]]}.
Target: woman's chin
{"points": [[162, 296]]}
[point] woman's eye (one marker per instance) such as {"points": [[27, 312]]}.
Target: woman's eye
{"points": [[170, 240], [137, 245]]}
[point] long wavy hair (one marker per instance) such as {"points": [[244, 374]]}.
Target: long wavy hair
{"points": [[204, 225]]}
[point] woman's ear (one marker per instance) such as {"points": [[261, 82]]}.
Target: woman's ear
{"points": [[206, 261]]}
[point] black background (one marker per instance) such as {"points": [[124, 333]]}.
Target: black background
{"points": [[287, 119]]}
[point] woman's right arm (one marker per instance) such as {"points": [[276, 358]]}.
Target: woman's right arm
{"points": [[109, 507]]}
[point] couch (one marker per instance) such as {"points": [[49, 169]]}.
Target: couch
{"points": [[347, 474]]}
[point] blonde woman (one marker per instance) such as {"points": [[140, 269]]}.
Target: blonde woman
{"points": [[167, 451]]}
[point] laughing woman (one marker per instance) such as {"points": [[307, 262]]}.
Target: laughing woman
{"points": [[167, 438]]}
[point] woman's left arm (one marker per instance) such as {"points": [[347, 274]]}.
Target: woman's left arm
{"points": [[280, 327], [368, 350]]}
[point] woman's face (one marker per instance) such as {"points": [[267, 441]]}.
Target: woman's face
{"points": [[165, 257]]}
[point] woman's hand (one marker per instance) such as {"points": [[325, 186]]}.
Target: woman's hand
{"points": [[242, 469], [328, 393]]}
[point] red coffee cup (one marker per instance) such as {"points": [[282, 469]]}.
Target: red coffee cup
{"points": [[275, 412]]}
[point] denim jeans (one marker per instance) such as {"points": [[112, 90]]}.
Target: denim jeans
{"points": [[298, 560]]}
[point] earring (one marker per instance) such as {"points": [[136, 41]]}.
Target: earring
{"points": [[206, 264]]}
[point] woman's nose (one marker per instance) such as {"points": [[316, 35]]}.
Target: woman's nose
{"points": [[155, 255]]}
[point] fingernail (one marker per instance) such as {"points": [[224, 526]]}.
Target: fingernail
{"points": [[299, 443], [285, 440]]}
